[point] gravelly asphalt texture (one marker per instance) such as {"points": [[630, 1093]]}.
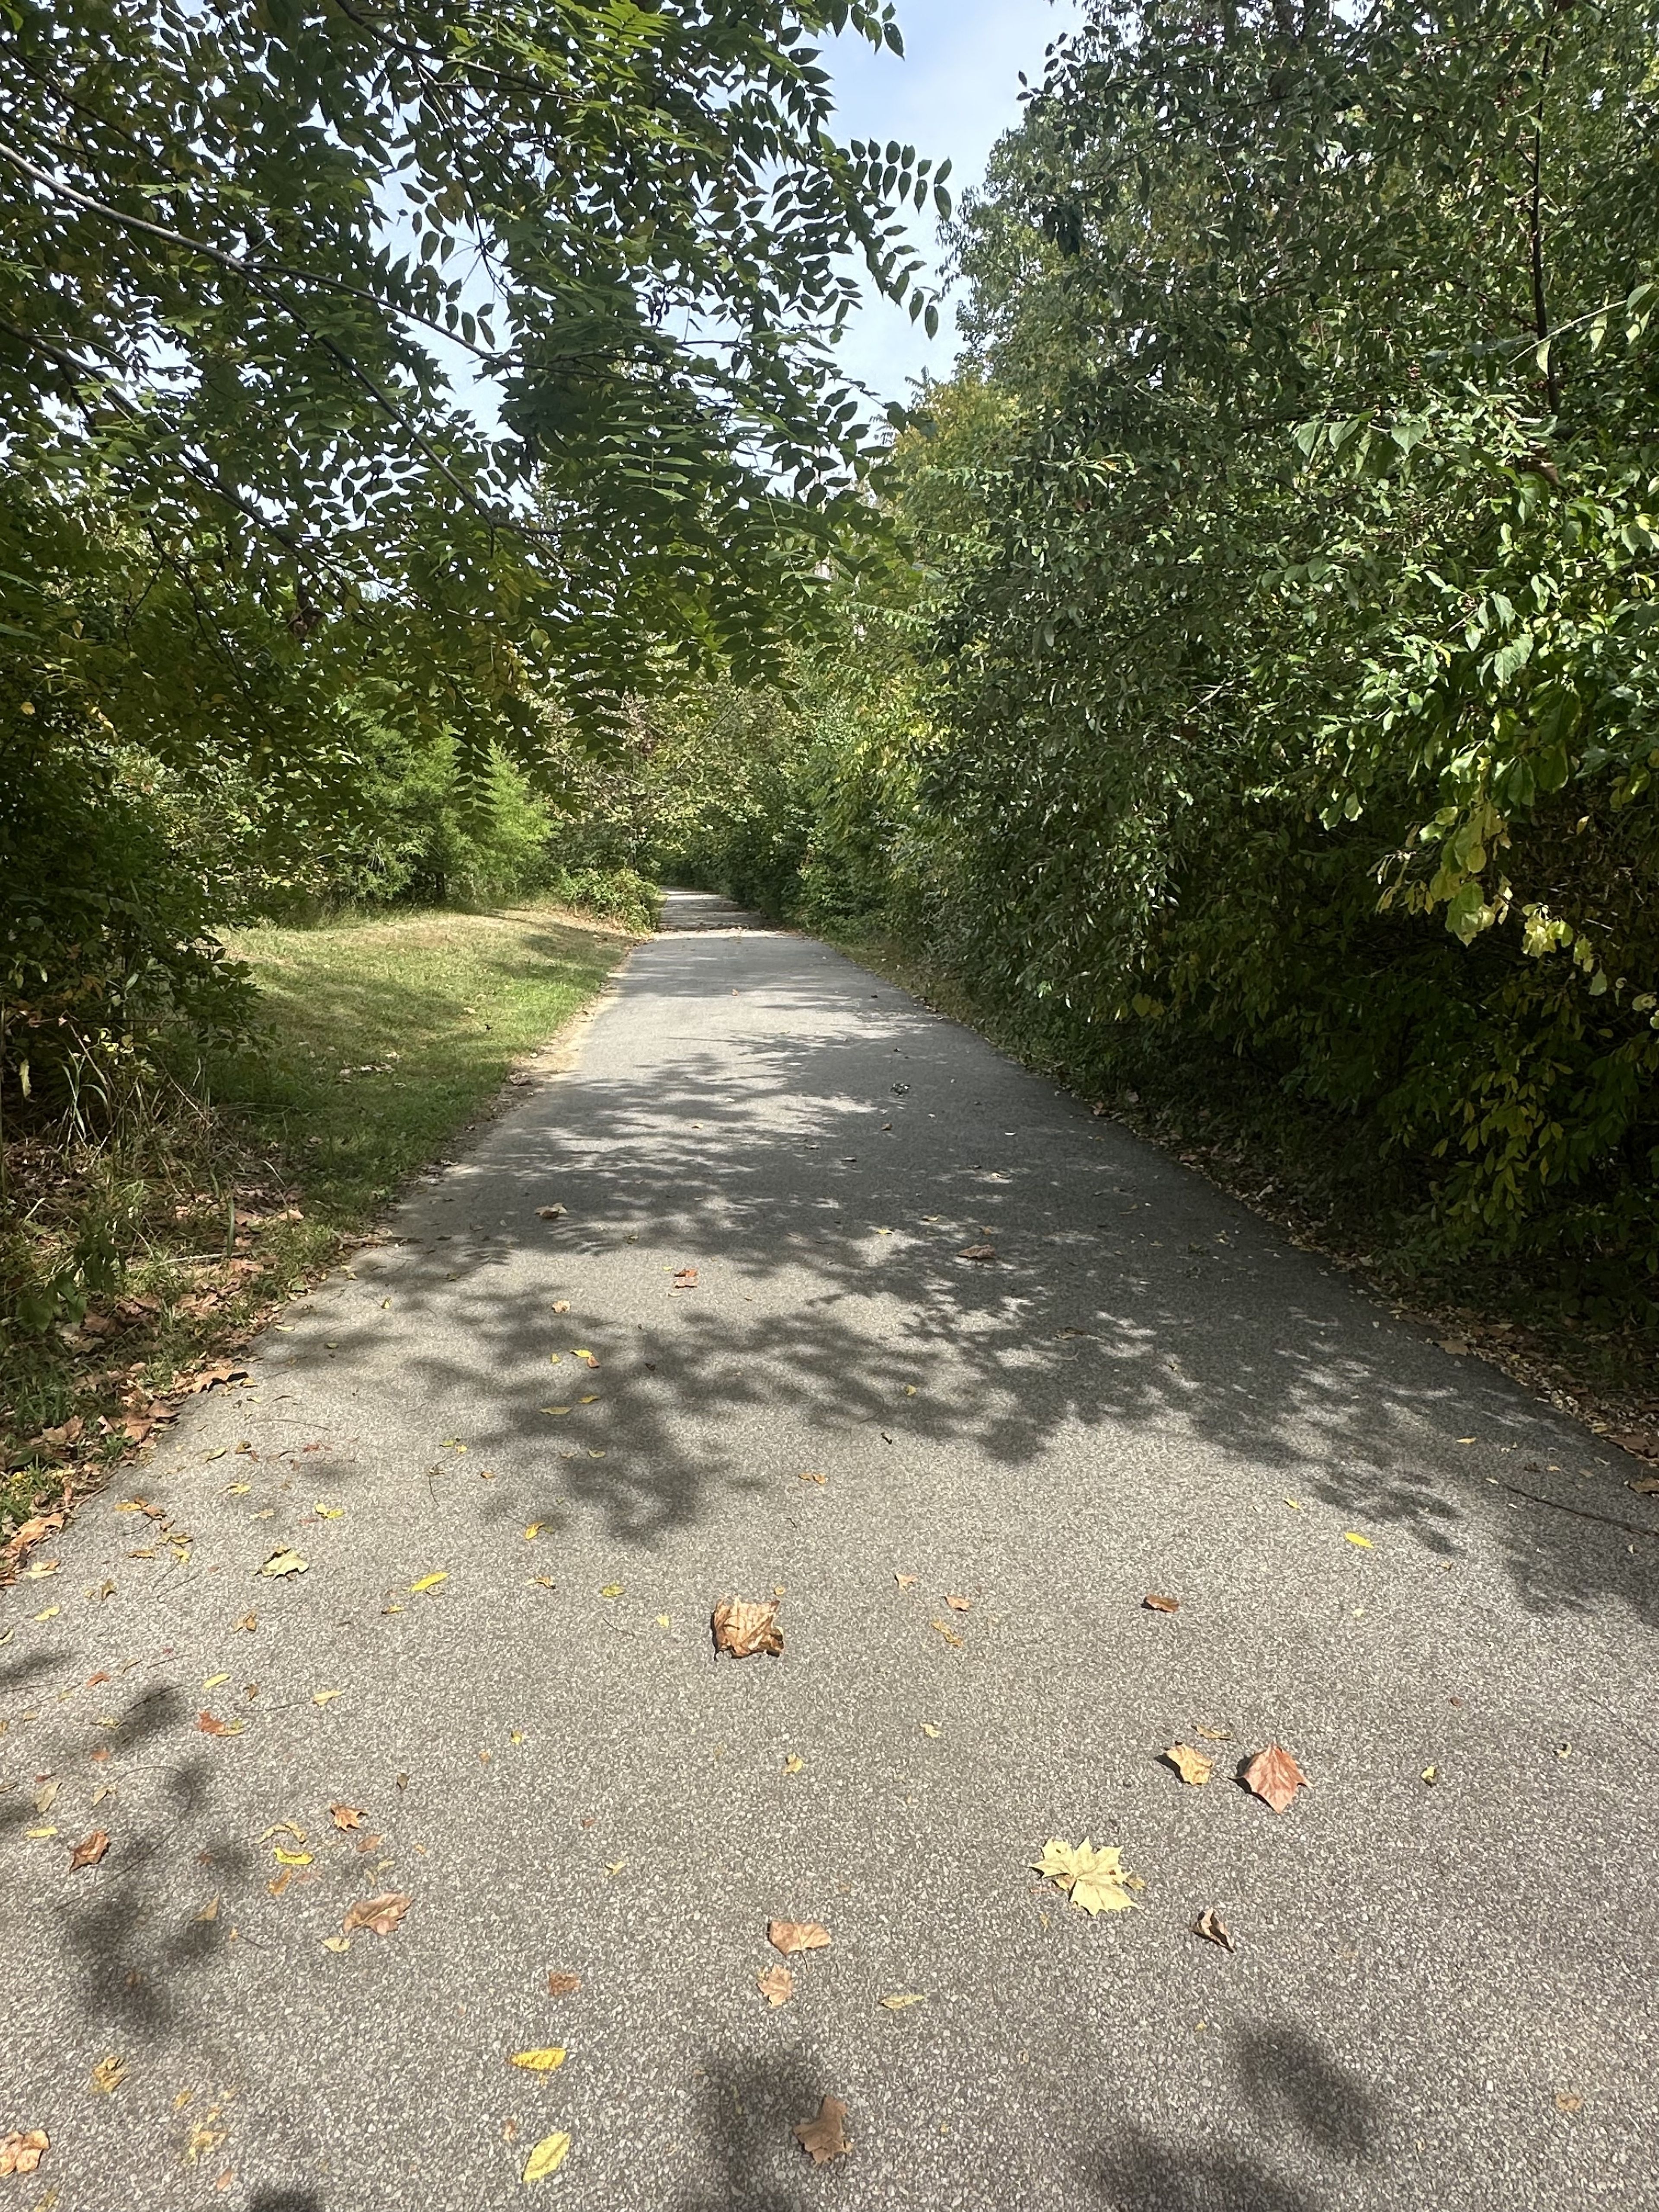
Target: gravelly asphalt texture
{"points": [[1443, 1992]]}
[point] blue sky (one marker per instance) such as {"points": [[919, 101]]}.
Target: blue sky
{"points": [[953, 93]]}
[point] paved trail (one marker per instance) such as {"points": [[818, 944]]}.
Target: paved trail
{"points": [[1429, 1976]]}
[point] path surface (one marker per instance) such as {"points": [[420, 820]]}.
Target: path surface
{"points": [[1443, 1992]]}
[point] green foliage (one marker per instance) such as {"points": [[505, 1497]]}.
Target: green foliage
{"points": [[1281, 711]]}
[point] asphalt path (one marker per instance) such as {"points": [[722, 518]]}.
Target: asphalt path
{"points": [[1443, 1988]]}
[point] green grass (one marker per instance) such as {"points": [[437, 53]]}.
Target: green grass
{"points": [[385, 1037], [379, 1039]]}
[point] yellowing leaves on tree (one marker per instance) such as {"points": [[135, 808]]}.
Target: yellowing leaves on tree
{"points": [[547, 2156], [1093, 1879]]}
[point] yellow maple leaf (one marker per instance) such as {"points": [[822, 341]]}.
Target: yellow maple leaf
{"points": [[1092, 1878]]}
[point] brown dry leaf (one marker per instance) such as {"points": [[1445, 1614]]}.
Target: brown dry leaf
{"points": [[960, 1604], [549, 1213], [821, 1480], [209, 1724], [1192, 1764], [1153, 1603], [346, 1816], [776, 1985], [743, 1627], [108, 2073], [907, 1582], [824, 2137], [949, 1633], [792, 1938], [685, 1279], [209, 1911], [381, 1914], [1214, 1930], [978, 1252], [250, 1621], [1647, 1487], [1212, 1736], [21, 2153], [89, 1850], [1566, 2102], [1274, 1776], [563, 1985]]}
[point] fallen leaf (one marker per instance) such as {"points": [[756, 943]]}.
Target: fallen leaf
{"points": [[212, 1681], [611, 1589], [1567, 2103], [960, 1604], [824, 2137], [532, 1530], [1212, 1736], [549, 1213], [776, 1985], [563, 1985], [1192, 1764], [820, 1479], [1274, 1776], [685, 1279], [1093, 1879], [337, 1943], [794, 1764], [431, 1580], [1213, 1929], [928, 1728], [346, 1816], [51, 1614], [744, 1628], [324, 1697], [39, 1835], [89, 1850], [793, 1937], [907, 1582], [47, 1796], [21, 2153], [209, 1911], [291, 1858], [327, 1512], [978, 1252], [949, 1633], [108, 2073], [1153, 1603], [94, 1681], [580, 1351], [249, 1621], [284, 1562], [1455, 1345], [1349, 1537], [547, 2156], [1647, 1487], [553, 1409], [540, 2062], [381, 1914], [901, 2000], [209, 1724]]}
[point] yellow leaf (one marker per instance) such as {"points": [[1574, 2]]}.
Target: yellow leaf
{"points": [[323, 1697], [212, 1681], [1093, 1879], [1192, 1764], [284, 1562], [234, 1490], [665, 1620], [540, 2062], [50, 1612], [337, 1942], [533, 1531], [556, 1409], [547, 2156], [327, 1512], [794, 1764], [611, 1589], [109, 2074], [291, 1858], [431, 1580], [592, 1399], [901, 1999], [1364, 1542], [928, 1728], [39, 1835], [1295, 1505]]}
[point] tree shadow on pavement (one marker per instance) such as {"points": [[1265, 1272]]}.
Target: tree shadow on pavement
{"points": [[1127, 1299], [1313, 2112]]}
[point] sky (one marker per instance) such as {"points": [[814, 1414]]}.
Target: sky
{"points": [[952, 93]]}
